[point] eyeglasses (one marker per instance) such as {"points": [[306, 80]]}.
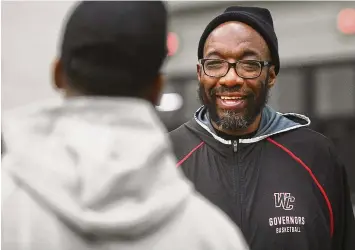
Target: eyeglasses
{"points": [[246, 69]]}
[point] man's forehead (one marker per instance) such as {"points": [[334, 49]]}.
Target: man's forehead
{"points": [[232, 29], [233, 34]]}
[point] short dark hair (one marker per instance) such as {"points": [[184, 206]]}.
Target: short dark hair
{"points": [[114, 48], [101, 71]]}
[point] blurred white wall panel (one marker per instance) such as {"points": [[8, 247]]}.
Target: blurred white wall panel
{"points": [[29, 37]]}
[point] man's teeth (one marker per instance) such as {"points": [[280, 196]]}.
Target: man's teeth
{"points": [[230, 98]]}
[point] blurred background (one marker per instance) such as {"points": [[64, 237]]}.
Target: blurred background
{"points": [[316, 45]]}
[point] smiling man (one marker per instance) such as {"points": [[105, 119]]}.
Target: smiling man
{"points": [[278, 180]]}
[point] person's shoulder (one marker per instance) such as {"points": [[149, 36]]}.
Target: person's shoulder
{"points": [[179, 131], [183, 139], [182, 134], [310, 146], [306, 137], [313, 148]]}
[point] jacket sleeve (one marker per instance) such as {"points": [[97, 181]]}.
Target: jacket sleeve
{"points": [[344, 230]]}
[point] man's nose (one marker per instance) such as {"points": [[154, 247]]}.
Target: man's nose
{"points": [[231, 78]]}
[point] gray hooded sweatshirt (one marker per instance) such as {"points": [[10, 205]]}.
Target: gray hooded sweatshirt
{"points": [[96, 173]]}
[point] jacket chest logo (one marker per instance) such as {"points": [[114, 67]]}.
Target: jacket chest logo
{"points": [[289, 222], [284, 201]]}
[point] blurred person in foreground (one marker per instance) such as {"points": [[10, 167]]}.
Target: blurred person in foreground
{"points": [[278, 180], [97, 170]]}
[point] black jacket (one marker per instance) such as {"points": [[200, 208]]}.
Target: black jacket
{"points": [[285, 187]]}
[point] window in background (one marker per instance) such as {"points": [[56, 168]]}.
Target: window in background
{"points": [[287, 95], [191, 100], [171, 105], [335, 91]]}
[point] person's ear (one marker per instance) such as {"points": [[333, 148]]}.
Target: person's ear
{"points": [[156, 90], [199, 71], [272, 77], [58, 75]]}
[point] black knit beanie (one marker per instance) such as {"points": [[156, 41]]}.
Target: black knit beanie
{"points": [[258, 18]]}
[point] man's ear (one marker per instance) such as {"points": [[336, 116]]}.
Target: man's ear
{"points": [[272, 77], [61, 81], [199, 71], [58, 75], [156, 90]]}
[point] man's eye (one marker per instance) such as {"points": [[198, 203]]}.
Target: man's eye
{"points": [[250, 66], [214, 64]]}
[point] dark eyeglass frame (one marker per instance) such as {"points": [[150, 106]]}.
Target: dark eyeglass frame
{"points": [[234, 65]]}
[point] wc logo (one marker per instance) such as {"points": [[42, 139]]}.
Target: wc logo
{"points": [[284, 200]]}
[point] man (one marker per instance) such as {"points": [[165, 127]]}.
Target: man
{"points": [[97, 171], [279, 181]]}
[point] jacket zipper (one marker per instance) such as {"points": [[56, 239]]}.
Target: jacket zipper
{"points": [[235, 146], [235, 150]]}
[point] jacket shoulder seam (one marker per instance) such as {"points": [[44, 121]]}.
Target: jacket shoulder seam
{"points": [[180, 162]]}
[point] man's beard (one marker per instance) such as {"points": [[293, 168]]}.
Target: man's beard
{"points": [[231, 119]]}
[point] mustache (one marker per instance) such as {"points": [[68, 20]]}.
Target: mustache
{"points": [[224, 89]]}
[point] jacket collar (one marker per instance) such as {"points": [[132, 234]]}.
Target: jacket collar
{"points": [[272, 123]]}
